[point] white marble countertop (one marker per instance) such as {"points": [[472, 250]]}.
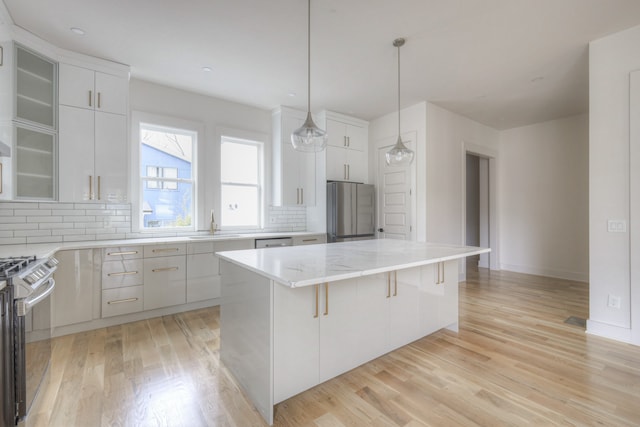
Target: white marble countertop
{"points": [[309, 265], [41, 250]]}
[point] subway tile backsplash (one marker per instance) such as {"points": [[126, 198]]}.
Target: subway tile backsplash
{"points": [[33, 222]]}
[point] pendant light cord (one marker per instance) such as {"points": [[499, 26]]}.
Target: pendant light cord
{"points": [[399, 90], [309, 56]]}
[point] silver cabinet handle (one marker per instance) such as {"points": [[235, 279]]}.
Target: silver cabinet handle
{"points": [[302, 196], [344, 167], [348, 171], [348, 141], [159, 270], [326, 299], [389, 284], [90, 187], [120, 301], [90, 98], [122, 253], [123, 273], [98, 187], [315, 316], [165, 250], [309, 240], [99, 100], [440, 279]]}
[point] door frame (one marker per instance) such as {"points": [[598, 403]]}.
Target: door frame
{"points": [[492, 156]]}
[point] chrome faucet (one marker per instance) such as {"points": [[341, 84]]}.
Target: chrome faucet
{"points": [[213, 226]]}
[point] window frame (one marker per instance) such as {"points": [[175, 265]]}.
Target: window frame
{"points": [[149, 120], [260, 143]]}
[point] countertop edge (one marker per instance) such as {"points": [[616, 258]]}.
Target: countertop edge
{"points": [[42, 250], [350, 274]]}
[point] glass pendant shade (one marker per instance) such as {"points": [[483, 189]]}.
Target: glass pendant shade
{"points": [[309, 137], [399, 155]]}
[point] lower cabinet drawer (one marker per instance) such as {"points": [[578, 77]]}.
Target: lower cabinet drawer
{"points": [[122, 301], [118, 274]]}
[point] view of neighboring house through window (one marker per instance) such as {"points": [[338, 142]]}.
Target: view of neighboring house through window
{"points": [[167, 177], [241, 183]]}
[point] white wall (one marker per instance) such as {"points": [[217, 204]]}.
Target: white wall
{"points": [[447, 136], [544, 197], [610, 61]]}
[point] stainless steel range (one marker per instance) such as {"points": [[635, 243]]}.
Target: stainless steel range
{"points": [[26, 343]]}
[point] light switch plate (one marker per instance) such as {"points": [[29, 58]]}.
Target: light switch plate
{"points": [[616, 226]]}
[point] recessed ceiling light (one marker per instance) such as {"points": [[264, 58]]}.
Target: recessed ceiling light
{"points": [[207, 69], [292, 94], [78, 31]]}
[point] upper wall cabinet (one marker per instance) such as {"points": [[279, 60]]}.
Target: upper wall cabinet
{"points": [[28, 123], [294, 172], [347, 148], [94, 90], [93, 135]]}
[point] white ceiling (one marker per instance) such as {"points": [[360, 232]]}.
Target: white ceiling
{"points": [[504, 63]]}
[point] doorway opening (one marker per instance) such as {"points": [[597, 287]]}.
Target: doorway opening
{"points": [[480, 219]]}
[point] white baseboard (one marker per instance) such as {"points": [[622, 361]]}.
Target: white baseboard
{"points": [[606, 330], [558, 274]]}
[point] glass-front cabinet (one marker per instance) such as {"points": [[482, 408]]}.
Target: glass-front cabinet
{"points": [[31, 124]]}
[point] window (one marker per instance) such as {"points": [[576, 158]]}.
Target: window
{"points": [[241, 179], [167, 190]]}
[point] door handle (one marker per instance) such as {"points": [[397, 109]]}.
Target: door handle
{"points": [[380, 230]]}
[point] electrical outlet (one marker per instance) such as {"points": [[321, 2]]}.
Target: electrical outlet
{"points": [[616, 226], [614, 301]]}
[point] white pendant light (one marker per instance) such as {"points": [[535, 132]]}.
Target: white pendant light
{"points": [[309, 137], [399, 155]]}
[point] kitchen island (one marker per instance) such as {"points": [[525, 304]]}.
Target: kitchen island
{"points": [[294, 317]]}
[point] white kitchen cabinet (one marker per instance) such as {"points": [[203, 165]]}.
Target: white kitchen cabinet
{"points": [[85, 88], [347, 149], [93, 156], [93, 142], [164, 281], [404, 314], [76, 277], [294, 172], [296, 350], [438, 296], [310, 240], [203, 277], [28, 113], [339, 331], [119, 301]]}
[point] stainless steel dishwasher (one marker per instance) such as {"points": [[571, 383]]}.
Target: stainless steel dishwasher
{"points": [[274, 242]]}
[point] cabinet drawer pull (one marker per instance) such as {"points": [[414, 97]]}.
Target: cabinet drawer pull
{"points": [[302, 196], [90, 98], [309, 240], [344, 167], [123, 273], [165, 250], [122, 253], [326, 299], [159, 270], [98, 187], [99, 100], [348, 171], [440, 279], [315, 316], [90, 187], [120, 301]]}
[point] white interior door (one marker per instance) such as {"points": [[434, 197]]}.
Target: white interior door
{"points": [[394, 198]]}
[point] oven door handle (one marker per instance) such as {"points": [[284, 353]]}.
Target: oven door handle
{"points": [[27, 304]]}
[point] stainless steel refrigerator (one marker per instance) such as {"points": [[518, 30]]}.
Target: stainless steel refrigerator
{"points": [[350, 211]]}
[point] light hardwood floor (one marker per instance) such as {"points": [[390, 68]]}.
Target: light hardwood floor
{"points": [[514, 362]]}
